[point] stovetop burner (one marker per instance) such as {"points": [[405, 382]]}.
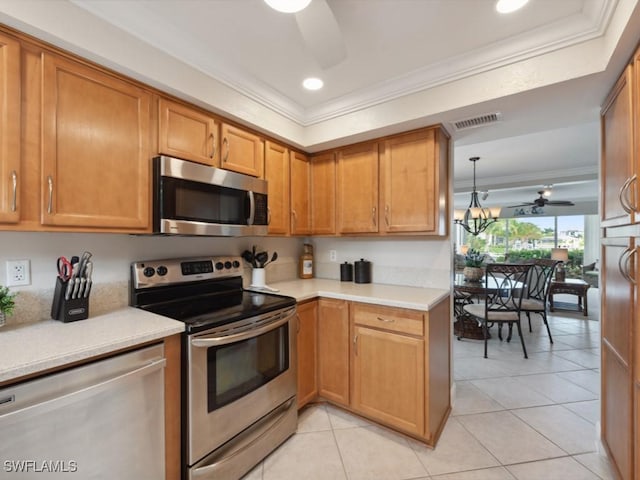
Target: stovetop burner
{"points": [[199, 293]]}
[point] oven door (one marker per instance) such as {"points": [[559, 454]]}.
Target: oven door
{"points": [[237, 374]]}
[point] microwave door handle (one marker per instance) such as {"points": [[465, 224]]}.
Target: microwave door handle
{"points": [[252, 208]]}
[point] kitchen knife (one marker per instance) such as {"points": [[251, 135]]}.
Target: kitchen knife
{"points": [[88, 272]]}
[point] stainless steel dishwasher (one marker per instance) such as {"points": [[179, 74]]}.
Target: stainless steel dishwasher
{"points": [[103, 420]]}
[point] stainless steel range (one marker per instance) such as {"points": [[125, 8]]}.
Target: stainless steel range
{"points": [[239, 375]]}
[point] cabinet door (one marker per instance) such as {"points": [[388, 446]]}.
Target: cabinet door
{"points": [[618, 182], [388, 378], [307, 352], [300, 194], [618, 312], [357, 189], [187, 133], [276, 172], [333, 350], [242, 152], [412, 184], [9, 129], [323, 194], [96, 156]]}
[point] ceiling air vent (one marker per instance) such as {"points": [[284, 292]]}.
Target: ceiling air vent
{"points": [[478, 121]]}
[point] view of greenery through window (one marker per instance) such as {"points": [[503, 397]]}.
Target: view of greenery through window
{"points": [[513, 239]]}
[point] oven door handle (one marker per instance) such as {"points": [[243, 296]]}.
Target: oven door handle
{"points": [[238, 337]]}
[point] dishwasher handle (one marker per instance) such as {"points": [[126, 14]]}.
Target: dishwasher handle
{"points": [[86, 392]]}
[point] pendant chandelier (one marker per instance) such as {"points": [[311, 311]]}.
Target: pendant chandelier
{"points": [[475, 219]]}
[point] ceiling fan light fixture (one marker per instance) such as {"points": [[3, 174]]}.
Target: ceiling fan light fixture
{"points": [[546, 190], [312, 83], [288, 6], [508, 6]]}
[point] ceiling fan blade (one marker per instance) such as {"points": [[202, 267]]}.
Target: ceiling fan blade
{"points": [[321, 33], [558, 203], [529, 204]]}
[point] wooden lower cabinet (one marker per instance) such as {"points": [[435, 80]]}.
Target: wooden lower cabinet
{"points": [[388, 378], [389, 364], [333, 350], [307, 352]]}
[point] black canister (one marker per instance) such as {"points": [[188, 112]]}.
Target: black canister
{"points": [[362, 271], [346, 272]]}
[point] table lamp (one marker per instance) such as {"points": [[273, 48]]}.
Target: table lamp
{"points": [[562, 255]]}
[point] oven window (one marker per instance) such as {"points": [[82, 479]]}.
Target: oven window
{"points": [[237, 369]]}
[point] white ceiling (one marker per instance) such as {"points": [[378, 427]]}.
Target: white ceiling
{"points": [[409, 63]]}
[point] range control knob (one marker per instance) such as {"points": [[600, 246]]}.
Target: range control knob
{"points": [[227, 264], [162, 270], [219, 265], [236, 264], [149, 271]]}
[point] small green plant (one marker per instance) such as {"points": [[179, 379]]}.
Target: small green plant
{"points": [[7, 303], [473, 258]]}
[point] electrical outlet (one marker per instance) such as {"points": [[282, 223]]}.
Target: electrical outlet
{"points": [[333, 256], [18, 273]]}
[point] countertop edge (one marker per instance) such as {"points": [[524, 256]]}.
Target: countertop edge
{"points": [[144, 327]]}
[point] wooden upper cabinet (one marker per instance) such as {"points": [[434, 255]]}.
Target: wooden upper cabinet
{"points": [[276, 172], [9, 129], [300, 194], [413, 183], [95, 147], [241, 151], [187, 133], [619, 184], [357, 189], [323, 194]]}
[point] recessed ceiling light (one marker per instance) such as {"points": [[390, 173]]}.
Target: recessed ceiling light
{"points": [[312, 83], [508, 6], [288, 6]]}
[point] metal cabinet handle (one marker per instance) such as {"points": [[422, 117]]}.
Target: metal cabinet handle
{"points": [[386, 214], [50, 182], [355, 344], [294, 216], [14, 181], [226, 152], [623, 195], [374, 216], [386, 320], [213, 145], [623, 265]]}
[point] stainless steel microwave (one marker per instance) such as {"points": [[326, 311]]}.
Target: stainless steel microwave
{"points": [[194, 199]]}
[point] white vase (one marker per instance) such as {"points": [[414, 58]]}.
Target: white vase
{"points": [[258, 277]]}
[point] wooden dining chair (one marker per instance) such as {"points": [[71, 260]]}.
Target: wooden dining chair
{"points": [[502, 305], [537, 293]]}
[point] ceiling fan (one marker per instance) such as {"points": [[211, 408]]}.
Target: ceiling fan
{"points": [[542, 201]]}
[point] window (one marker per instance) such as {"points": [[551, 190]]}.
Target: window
{"points": [[514, 239]]}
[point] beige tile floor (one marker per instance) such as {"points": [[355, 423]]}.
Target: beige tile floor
{"points": [[512, 419]]}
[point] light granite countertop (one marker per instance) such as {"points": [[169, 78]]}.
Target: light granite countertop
{"points": [[415, 298], [30, 348]]}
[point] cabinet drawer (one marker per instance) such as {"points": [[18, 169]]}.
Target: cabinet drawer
{"points": [[399, 320]]}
